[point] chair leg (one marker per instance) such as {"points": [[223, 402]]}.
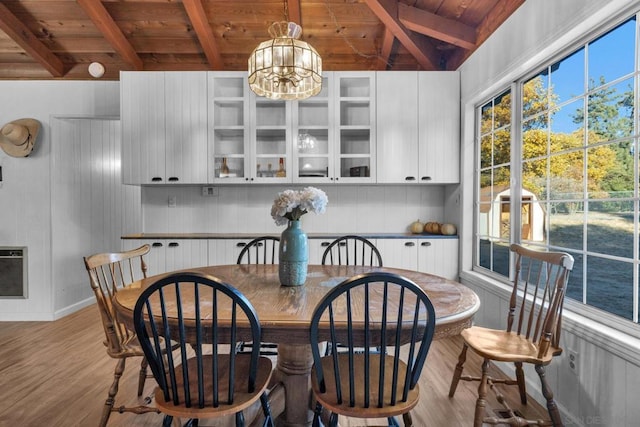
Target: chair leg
{"points": [[143, 375], [239, 419], [406, 418], [522, 387], [266, 409], [481, 403], [554, 412], [111, 398], [317, 413], [333, 420], [167, 421], [458, 370]]}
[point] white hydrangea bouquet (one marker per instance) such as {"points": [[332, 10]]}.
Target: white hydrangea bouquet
{"points": [[290, 205]]}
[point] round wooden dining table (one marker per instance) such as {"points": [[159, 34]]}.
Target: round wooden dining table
{"points": [[285, 317]]}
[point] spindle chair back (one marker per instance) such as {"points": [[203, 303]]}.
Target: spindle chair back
{"points": [[398, 318]]}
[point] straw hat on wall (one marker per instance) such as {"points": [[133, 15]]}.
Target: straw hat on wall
{"points": [[17, 137]]}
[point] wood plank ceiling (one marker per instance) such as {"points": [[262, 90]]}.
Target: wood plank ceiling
{"points": [[58, 39]]}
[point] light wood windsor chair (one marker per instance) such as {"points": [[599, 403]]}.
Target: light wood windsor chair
{"points": [[532, 334], [109, 272]]}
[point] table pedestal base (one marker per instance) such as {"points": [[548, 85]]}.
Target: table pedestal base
{"points": [[293, 371]]}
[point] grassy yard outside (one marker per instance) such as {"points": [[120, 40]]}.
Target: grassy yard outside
{"points": [[610, 281]]}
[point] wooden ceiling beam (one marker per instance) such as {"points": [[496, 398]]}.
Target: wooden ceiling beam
{"points": [[198, 18], [425, 54], [107, 26], [437, 27], [20, 34], [385, 50]]}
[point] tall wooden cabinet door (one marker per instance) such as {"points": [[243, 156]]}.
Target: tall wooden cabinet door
{"points": [[397, 126], [186, 127], [439, 257], [439, 126], [143, 128], [398, 253]]}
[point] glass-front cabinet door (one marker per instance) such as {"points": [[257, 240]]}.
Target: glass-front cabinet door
{"points": [[355, 130], [270, 140], [228, 124], [313, 139]]}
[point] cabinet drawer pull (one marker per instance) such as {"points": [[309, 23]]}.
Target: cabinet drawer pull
{"points": [[343, 244], [156, 244], [409, 178], [241, 245], [425, 244], [156, 179], [174, 244], [324, 244], [409, 244], [173, 179], [426, 178]]}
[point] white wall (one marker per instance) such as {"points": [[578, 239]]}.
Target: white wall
{"points": [[91, 209], [25, 195], [604, 391]]}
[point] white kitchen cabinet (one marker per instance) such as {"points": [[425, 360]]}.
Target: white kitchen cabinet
{"points": [[225, 251], [435, 256], [271, 140], [397, 126], [355, 126], [439, 126], [164, 127], [439, 257], [313, 136], [399, 253], [171, 254], [229, 135], [142, 123], [250, 136], [418, 127]]}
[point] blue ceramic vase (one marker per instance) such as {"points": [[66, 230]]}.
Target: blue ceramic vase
{"points": [[293, 255]]}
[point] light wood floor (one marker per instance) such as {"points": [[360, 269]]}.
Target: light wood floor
{"points": [[58, 373]]}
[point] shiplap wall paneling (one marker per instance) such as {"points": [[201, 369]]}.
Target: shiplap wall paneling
{"points": [[91, 208]]}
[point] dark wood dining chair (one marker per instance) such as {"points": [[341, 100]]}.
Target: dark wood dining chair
{"points": [[532, 334], [109, 272], [373, 310], [261, 250], [204, 377], [352, 250]]}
